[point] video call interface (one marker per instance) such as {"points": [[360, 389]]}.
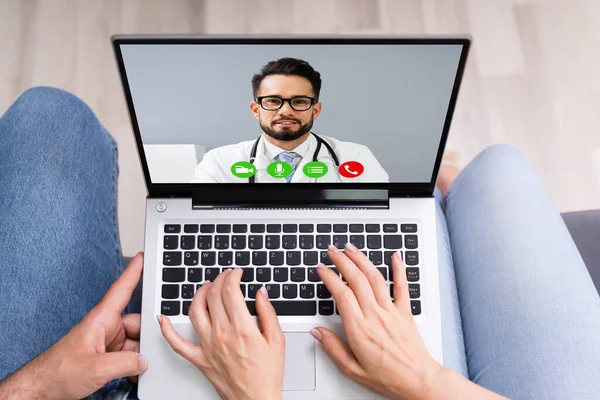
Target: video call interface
{"points": [[271, 113]]}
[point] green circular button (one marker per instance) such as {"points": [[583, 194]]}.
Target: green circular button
{"points": [[315, 169], [279, 169], [243, 169]]}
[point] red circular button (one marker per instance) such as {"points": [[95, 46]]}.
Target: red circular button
{"points": [[351, 169]]}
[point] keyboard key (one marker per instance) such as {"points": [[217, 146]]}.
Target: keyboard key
{"points": [[186, 307], [170, 308], [387, 258], [198, 286], [323, 241], [274, 228], [224, 228], [372, 228], [243, 289], [187, 291], [307, 242], [195, 275], [191, 258], [170, 242], [225, 258], [173, 274], [390, 228], [313, 276], [257, 228], [298, 274], [188, 242], [242, 258], [293, 257], [414, 290], [410, 241], [339, 241], [210, 274], [170, 291], [290, 291], [358, 241], [221, 242], [324, 228], [383, 271], [326, 307], [263, 274], [247, 274], [408, 228], [392, 291], [325, 258], [306, 228], [240, 228], [259, 258], [412, 274], [415, 307], [340, 228], [289, 242], [253, 288], [392, 241], [172, 228], [286, 307], [323, 292], [290, 228], [335, 270], [307, 290], [190, 228], [172, 258], [276, 258], [357, 228], [207, 228], [273, 289], [238, 242], [280, 274], [373, 241], [311, 258], [412, 258], [208, 258], [272, 242], [204, 242], [255, 242], [376, 257]]}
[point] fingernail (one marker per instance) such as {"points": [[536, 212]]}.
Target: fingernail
{"points": [[159, 319], [316, 334], [264, 294], [321, 266], [334, 249], [399, 254], [351, 247], [143, 362]]}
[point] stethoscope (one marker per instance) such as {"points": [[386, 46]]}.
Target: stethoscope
{"points": [[320, 142]]}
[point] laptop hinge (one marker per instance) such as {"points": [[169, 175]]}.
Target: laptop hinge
{"points": [[290, 197]]}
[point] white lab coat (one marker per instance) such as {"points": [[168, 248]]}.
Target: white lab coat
{"points": [[215, 166]]}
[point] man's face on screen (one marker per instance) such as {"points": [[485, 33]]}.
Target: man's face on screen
{"points": [[286, 123]]}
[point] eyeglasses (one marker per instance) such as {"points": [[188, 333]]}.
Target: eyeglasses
{"points": [[298, 103]]}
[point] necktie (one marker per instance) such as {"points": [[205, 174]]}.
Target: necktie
{"points": [[291, 158]]}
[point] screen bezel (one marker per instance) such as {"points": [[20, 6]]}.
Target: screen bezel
{"points": [[395, 189]]}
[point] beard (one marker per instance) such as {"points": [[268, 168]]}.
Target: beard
{"points": [[287, 134]]}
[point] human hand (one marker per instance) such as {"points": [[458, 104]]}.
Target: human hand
{"points": [[102, 347], [386, 352], [235, 356]]}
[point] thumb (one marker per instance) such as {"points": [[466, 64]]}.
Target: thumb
{"points": [[338, 351], [120, 364]]}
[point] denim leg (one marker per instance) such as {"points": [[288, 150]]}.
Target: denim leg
{"points": [[530, 312], [59, 243]]}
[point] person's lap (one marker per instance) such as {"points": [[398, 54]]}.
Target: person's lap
{"points": [[60, 251]]}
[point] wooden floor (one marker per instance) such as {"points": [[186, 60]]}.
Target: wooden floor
{"points": [[532, 78]]}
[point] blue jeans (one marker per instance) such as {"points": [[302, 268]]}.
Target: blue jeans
{"points": [[520, 314]]}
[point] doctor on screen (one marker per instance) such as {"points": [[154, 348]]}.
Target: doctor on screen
{"points": [[286, 94]]}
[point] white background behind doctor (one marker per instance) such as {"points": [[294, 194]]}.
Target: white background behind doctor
{"points": [[286, 104]]}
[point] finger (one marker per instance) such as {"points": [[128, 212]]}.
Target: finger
{"points": [[357, 281], [344, 297], [119, 294], [339, 352], [198, 314], [119, 364], [378, 286], [214, 299], [234, 302], [132, 324], [131, 345], [184, 348], [267, 317], [401, 295]]}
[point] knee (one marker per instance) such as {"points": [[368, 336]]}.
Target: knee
{"points": [[500, 157]]}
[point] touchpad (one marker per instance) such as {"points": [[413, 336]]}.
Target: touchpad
{"points": [[299, 369]]}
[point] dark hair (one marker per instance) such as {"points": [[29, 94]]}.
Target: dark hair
{"points": [[288, 66]]}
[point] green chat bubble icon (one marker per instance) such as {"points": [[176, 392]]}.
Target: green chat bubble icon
{"points": [[243, 169], [315, 169]]}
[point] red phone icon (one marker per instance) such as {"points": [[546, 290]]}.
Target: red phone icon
{"points": [[351, 169]]}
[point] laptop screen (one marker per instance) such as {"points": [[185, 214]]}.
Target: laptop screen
{"points": [[293, 113]]}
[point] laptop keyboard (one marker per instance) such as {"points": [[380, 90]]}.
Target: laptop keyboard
{"points": [[281, 257]]}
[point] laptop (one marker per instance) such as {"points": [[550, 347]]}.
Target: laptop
{"points": [[363, 122]]}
